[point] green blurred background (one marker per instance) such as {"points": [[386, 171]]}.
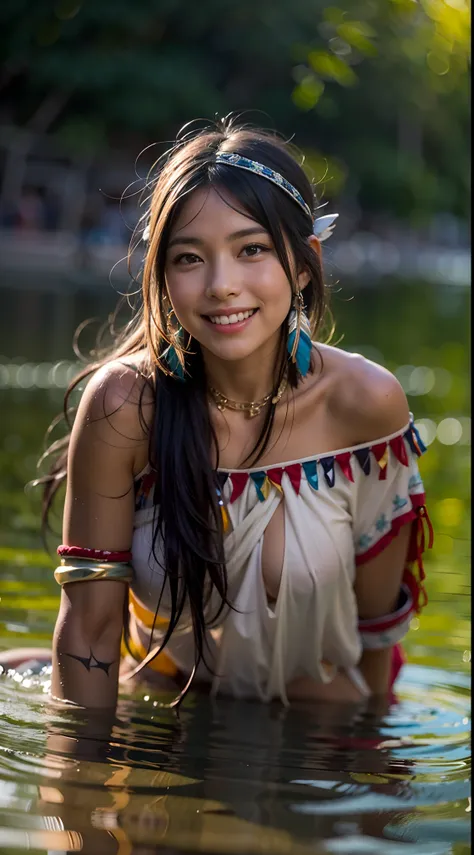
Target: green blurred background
{"points": [[376, 96]]}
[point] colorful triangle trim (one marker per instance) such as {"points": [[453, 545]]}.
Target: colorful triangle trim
{"points": [[264, 479]]}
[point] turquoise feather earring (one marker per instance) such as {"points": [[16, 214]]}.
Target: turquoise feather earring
{"points": [[173, 362], [299, 343], [170, 355], [299, 330]]}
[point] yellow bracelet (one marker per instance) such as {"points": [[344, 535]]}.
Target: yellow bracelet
{"points": [[78, 570]]}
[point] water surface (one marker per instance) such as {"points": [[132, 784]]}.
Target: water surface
{"points": [[239, 777]]}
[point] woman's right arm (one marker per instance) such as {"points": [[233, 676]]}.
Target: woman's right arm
{"points": [[106, 441]]}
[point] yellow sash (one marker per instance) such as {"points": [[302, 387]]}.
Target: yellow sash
{"points": [[162, 663]]}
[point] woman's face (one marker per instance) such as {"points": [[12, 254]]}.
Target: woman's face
{"points": [[224, 279]]}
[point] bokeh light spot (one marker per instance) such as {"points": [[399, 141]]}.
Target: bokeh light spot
{"points": [[449, 431], [450, 512], [24, 376], [422, 380]]}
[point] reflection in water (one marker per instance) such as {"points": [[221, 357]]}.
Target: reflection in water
{"points": [[229, 776]]}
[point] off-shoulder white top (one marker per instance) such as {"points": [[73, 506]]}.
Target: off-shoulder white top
{"points": [[341, 509]]}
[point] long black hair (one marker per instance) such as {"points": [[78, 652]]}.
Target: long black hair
{"points": [[183, 448]]}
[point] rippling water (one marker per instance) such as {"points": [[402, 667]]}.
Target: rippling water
{"points": [[236, 777]]}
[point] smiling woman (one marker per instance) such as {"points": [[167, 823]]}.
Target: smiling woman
{"points": [[245, 497]]}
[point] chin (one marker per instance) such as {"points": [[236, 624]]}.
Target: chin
{"points": [[231, 351], [231, 354]]}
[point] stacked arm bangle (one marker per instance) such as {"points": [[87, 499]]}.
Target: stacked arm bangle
{"points": [[84, 565]]}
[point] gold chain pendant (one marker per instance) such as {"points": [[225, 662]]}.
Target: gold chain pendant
{"points": [[251, 408]]}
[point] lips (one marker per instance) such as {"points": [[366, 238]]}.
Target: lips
{"points": [[230, 322], [234, 318]]}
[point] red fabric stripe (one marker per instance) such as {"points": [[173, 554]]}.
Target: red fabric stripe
{"points": [[96, 554], [415, 550], [418, 499], [387, 538], [239, 480]]}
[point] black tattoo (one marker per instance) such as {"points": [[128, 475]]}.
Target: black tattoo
{"points": [[91, 662]]}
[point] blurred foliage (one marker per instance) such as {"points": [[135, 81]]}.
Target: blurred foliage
{"points": [[431, 330], [376, 92]]}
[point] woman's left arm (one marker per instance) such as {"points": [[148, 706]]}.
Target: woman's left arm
{"points": [[378, 579], [377, 588]]}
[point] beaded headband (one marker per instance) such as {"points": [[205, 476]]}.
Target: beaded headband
{"points": [[265, 171], [323, 227]]}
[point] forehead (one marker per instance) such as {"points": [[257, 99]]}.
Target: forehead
{"points": [[208, 209]]}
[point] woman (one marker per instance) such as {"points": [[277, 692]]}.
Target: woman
{"points": [[243, 507]]}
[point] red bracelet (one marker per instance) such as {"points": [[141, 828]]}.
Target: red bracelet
{"points": [[96, 554]]}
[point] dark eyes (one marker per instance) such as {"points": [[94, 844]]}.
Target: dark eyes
{"points": [[186, 258], [251, 250]]}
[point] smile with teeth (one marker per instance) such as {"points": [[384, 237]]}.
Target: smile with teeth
{"points": [[231, 319]]}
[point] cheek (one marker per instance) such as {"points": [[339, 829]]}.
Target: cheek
{"points": [[183, 293], [274, 291]]}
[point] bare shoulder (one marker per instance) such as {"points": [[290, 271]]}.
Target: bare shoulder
{"points": [[118, 403], [365, 395], [107, 449]]}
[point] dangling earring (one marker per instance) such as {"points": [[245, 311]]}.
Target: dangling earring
{"points": [[299, 336], [170, 355]]}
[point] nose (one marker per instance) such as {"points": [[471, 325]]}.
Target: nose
{"points": [[222, 282]]}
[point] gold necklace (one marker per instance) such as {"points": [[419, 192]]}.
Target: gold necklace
{"points": [[251, 408]]}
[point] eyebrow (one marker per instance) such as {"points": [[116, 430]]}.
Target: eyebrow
{"points": [[254, 230]]}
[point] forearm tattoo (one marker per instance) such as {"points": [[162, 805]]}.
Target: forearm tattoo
{"points": [[91, 661]]}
